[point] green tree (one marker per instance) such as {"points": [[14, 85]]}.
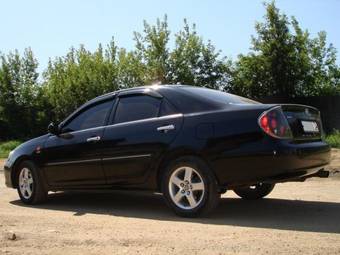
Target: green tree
{"points": [[324, 69], [130, 69], [190, 62], [79, 76], [284, 61], [20, 112], [152, 50], [196, 63]]}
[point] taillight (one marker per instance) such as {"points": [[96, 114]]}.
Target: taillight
{"points": [[274, 123]]}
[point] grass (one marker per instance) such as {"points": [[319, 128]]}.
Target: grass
{"points": [[6, 147], [334, 139]]}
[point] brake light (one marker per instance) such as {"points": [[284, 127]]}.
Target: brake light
{"points": [[274, 123]]}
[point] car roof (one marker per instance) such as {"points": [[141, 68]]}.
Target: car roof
{"points": [[181, 96], [152, 87], [183, 100], [135, 89]]}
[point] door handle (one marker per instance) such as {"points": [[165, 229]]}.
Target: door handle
{"points": [[93, 139], [166, 128]]}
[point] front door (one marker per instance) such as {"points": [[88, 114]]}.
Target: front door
{"points": [[74, 157]]}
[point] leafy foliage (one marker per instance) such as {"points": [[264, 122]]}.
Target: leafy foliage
{"points": [[152, 50], [334, 139], [6, 147], [79, 76], [196, 63], [285, 61], [21, 107]]}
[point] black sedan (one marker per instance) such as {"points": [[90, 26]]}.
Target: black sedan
{"points": [[190, 143]]}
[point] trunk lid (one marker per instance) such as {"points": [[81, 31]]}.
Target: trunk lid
{"points": [[304, 121]]}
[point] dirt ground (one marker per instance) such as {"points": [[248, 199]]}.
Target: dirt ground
{"points": [[295, 218]]}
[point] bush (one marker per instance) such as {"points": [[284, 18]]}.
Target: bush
{"points": [[6, 147], [334, 139]]}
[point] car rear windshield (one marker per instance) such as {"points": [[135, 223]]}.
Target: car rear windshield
{"points": [[218, 97]]}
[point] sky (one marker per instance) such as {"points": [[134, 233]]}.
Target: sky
{"points": [[50, 28]]}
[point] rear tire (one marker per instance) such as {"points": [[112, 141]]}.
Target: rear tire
{"points": [[30, 188], [189, 187], [257, 191]]}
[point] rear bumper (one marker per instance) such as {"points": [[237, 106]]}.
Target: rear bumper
{"points": [[272, 162], [301, 175]]}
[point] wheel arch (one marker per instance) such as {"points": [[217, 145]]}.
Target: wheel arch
{"points": [[15, 168], [172, 155]]}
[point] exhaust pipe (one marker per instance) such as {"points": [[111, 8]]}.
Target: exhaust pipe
{"points": [[322, 174]]}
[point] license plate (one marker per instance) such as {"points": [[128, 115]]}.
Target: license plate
{"points": [[310, 126]]}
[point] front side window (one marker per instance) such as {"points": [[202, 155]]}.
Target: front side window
{"points": [[137, 108], [92, 117]]}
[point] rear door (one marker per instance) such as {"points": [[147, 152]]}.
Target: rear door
{"points": [[142, 128]]}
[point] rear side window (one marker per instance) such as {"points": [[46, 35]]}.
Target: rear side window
{"points": [[92, 117], [217, 96], [167, 108], [137, 108]]}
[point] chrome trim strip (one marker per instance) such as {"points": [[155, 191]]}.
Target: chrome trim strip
{"points": [[127, 157], [128, 122], [73, 162], [96, 160], [171, 116]]}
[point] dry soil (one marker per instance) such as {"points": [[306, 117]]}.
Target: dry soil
{"points": [[295, 218]]}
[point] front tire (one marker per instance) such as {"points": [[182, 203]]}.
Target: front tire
{"points": [[254, 192], [30, 185], [189, 187]]}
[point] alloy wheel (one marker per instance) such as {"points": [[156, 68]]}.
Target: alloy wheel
{"points": [[26, 183], [186, 188]]}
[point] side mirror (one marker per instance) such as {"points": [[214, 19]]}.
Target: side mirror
{"points": [[53, 129]]}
